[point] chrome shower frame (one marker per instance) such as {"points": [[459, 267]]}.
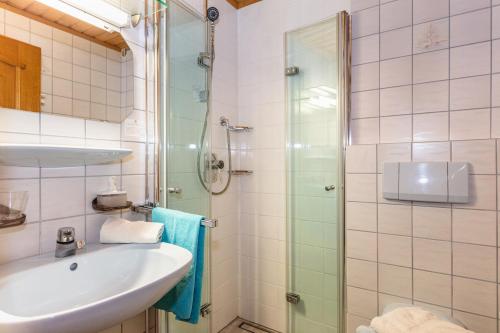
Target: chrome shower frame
{"points": [[158, 19]]}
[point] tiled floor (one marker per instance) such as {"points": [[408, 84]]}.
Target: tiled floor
{"points": [[234, 327]]}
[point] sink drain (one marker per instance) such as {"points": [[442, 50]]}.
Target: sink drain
{"points": [[73, 266]]}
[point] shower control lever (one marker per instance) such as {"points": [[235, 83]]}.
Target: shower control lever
{"points": [[176, 190], [329, 188]]}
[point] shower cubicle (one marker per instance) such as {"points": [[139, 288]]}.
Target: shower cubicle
{"points": [[317, 81], [317, 69]]}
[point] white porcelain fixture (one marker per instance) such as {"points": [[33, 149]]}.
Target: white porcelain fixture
{"points": [[52, 156], [110, 284]]}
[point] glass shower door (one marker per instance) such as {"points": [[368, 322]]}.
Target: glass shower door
{"points": [[183, 105], [314, 179]]}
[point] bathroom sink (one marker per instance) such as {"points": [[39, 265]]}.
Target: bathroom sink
{"points": [[93, 290]]}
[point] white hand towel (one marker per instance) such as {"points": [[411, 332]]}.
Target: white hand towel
{"points": [[413, 320], [117, 230]]}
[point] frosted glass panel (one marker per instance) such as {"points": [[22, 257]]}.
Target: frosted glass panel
{"points": [[312, 154], [183, 87]]}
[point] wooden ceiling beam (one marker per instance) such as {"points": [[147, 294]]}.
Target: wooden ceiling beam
{"points": [[238, 4]]}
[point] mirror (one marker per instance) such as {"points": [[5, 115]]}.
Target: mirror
{"points": [[54, 63]]}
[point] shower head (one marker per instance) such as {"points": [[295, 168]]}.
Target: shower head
{"points": [[212, 14]]}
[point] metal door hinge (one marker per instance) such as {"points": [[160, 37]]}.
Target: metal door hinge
{"points": [[204, 60], [293, 298], [205, 309], [291, 71]]}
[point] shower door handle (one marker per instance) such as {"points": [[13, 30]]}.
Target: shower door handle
{"points": [[176, 190], [329, 188]]}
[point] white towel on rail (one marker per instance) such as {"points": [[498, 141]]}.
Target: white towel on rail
{"points": [[121, 231]]}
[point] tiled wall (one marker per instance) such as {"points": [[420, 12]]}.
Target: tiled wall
{"points": [[62, 196], [261, 104], [425, 88], [79, 78]]}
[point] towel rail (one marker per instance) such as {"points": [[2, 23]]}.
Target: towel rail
{"points": [[147, 209], [209, 223]]}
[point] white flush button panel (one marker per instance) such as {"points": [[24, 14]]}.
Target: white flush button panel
{"points": [[426, 181]]}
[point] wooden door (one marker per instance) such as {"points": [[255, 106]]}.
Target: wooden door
{"points": [[20, 75]]}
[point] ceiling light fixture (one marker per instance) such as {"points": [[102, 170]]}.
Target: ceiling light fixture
{"points": [[98, 13]]}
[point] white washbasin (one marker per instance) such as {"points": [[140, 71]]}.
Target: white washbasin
{"points": [[111, 283]]}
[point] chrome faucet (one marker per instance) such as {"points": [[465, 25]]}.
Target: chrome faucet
{"points": [[66, 245]]}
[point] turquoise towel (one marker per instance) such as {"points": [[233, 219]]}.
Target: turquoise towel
{"points": [[184, 230]]}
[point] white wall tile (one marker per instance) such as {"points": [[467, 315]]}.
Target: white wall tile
{"points": [[432, 222], [362, 187], [495, 24], [474, 226], [470, 28], [62, 126], [361, 245], [395, 250], [431, 36], [361, 216], [19, 242], [395, 72], [434, 288], [475, 322], [472, 124], [397, 100], [495, 52], [430, 127], [365, 77], [463, 6], [365, 22], [395, 14], [475, 261], [395, 280], [19, 121], [482, 192], [365, 104], [358, 5], [55, 191], [395, 152], [361, 159], [474, 296], [365, 131], [361, 273], [432, 66], [395, 43], [432, 255], [395, 129], [365, 49], [470, 60], [427, 10], [431, 97], [394, 219], [361, 302], [480, 154], [431, 151]]}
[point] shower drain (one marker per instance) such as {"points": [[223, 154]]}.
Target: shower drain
{"points": [[254, 328]]}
